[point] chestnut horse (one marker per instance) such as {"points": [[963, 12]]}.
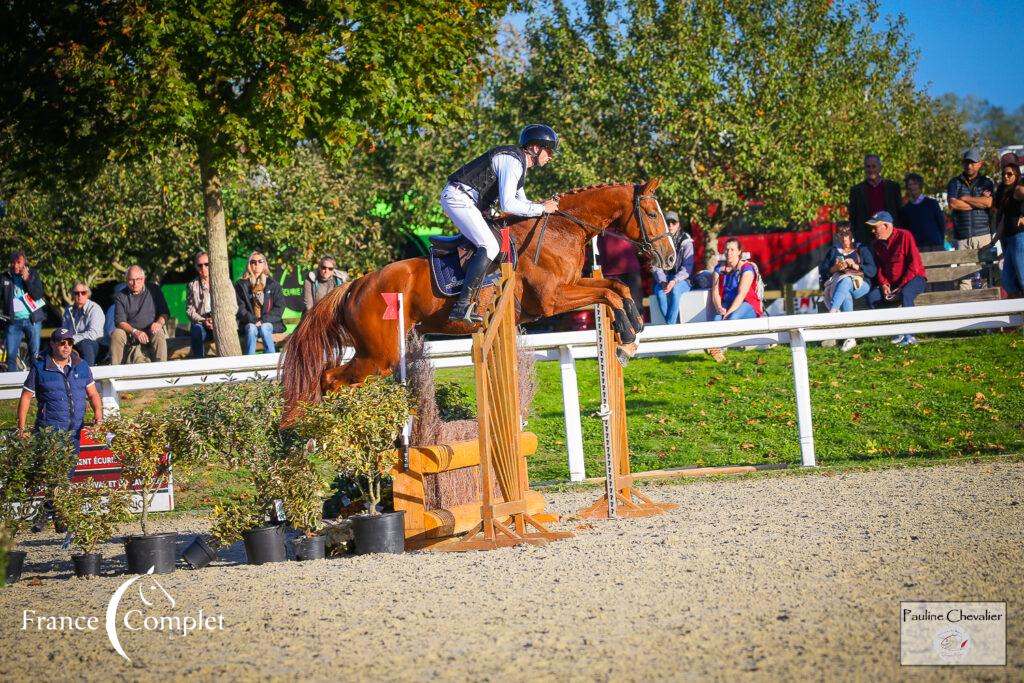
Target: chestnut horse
{"points": [[547, 283]]}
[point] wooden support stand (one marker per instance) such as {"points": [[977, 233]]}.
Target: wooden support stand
{"points": [[620, 498]]}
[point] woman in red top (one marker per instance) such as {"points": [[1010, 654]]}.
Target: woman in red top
{"points": [[733, 294]]}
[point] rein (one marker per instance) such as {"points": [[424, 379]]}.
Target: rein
{"points": [[645, 244]]}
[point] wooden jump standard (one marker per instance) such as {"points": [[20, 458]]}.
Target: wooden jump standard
{"points": [[620, 499], [510, 515]]}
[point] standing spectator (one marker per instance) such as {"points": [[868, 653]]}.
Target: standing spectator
{"points": [[923, 216], [140, 312], [869, 197], [21, 308], [846, 275], [1010, 227], [619, 262], [669, 286], [970, 197], [198, 306], [321, 282], [733, 294], [260, 305], [62, 384], [84, 318], [901, 275]]}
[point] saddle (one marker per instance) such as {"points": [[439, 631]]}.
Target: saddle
{"points": [[448, 258]]}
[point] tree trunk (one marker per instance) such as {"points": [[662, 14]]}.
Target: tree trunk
{"points": [[222, 290]]}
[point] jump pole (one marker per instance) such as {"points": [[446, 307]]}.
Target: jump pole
{"points": [[620, 498]]}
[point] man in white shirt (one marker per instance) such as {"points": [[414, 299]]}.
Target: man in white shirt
{"points": [[497, 175], [85, 319]]}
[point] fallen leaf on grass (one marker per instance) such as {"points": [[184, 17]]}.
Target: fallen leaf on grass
{"points": [[635, 390], [746, 446], [855, 417], [759, 361], [734, 389], [856, 355]]}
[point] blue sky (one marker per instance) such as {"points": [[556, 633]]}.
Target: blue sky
{"points": [[959, 44]]}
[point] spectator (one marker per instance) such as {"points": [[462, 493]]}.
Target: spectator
{"points": [[970, 198], [669, 286], [846, 275], [140, 313], [62, 384], [22, 308], [260, 305], [199, 306], [321, 282], [733, 294], [900, 275], [1010, 226], [619, 262], [923, 216], [869, 197], [84, 318]]}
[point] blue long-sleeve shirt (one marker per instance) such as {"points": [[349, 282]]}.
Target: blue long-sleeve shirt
{"points": [[925, 221]]}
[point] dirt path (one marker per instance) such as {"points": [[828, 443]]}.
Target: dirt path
{"points": [[788, 577]]}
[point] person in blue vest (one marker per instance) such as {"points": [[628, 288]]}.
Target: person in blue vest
{"points": [[496, 175], [62, 384]]}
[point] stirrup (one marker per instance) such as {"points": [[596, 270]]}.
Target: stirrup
{"points": [[465, 313]]}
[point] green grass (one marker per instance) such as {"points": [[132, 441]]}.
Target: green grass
{"points": [[876, 407]]}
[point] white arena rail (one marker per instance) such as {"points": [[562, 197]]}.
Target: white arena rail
{"points": [[567, 347]]}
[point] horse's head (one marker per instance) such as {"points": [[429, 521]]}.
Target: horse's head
{"points": [[647, 226]]}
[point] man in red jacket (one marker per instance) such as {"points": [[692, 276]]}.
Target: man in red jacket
{"points": [[901, 275]]}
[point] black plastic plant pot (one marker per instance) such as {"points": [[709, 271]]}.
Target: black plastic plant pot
{"points": [[86, 564], [154, 550], [310, 548], [265, 544], [199, 553], [15, 561], [383, 533]]}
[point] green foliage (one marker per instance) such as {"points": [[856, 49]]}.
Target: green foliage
{"points": [[139, 447], [92, 511], [355, 430], [30, 465], [454, 402], [231, 519], [304, 486]]}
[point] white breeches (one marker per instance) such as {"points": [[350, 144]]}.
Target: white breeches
{"points": [[459, 207]]}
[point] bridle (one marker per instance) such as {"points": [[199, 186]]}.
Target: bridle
{"points": [[645, 244]]}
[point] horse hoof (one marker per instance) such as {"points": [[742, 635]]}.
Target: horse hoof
{"points": [[622, 357]]}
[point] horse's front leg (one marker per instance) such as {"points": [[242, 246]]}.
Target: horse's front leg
{"points": [[634, 309], [571, 297]]}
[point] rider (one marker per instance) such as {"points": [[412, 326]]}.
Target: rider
{"points": [[471, 190]]}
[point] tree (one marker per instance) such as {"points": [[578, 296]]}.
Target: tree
{"points": [[92, 80]]}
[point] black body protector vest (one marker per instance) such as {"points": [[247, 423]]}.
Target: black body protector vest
{"points": [[479, 174]]}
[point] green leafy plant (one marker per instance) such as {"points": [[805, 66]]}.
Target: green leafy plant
{"points": [[92, 511], [138, 444], [31, 467], [231, 519], [454, 403], [304, 486], [355, 430]]}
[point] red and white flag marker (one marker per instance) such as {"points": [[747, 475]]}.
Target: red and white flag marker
{"points": [[396, 311]]}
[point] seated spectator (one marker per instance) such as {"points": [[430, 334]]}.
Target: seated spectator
{"points": [[260, 305], [321, 282], [1009, 205], [923, 216], [901, 276], [22, 308], [670, 285], [140, 313], [199, 306], [733, 294], [846, 275], [84, 318]]}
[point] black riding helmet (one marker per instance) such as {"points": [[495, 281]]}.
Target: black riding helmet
{"points": [[539, 134]]}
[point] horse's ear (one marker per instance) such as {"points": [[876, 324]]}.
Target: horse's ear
{"points": [[652, 185]]}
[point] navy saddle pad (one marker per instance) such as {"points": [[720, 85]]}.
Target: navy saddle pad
{"points": [[445, 269]]}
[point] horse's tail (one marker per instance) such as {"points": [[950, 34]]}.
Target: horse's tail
{"points": [[313, 348]]}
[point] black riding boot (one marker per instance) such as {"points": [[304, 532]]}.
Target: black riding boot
{"points": [[476, 270]]}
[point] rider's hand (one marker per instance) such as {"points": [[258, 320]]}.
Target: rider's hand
{"points": [[550, 206]]}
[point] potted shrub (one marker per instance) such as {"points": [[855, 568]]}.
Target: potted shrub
{"points": [[31, 467], [237, 424], [92, 513], [355, 430], [138, 444], [304, 487]]}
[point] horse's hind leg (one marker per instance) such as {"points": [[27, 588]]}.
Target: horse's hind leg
{"points": [[353, 372]]}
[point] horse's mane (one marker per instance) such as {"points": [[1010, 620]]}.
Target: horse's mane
{"points": [[587, 188]]}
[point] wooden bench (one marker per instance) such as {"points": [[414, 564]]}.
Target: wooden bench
{"points": [[945, 271]]}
